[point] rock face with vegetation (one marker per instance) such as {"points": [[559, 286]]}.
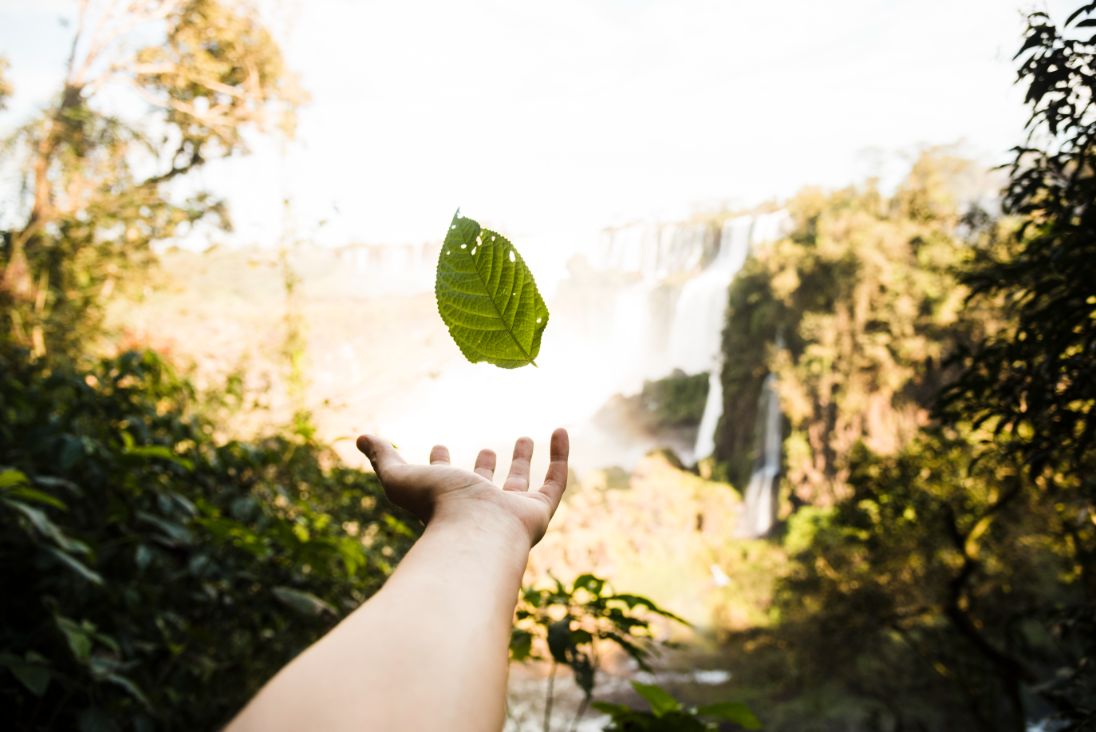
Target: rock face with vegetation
{"points": [[934, 369], [855, 313]]}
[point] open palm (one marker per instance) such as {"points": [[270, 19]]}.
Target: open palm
{"points": [[442, 489]]}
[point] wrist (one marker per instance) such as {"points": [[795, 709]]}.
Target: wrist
{"points": [[481, 521]]}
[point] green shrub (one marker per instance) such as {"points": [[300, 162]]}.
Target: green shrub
{"points": [[154, 578]]}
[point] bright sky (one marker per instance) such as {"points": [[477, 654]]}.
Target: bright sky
{"points": [[549, 117]]}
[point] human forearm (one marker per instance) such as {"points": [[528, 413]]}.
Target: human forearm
{"points": [[384, 668], [429, 651]]}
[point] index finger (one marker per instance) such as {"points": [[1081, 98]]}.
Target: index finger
{"points": [[555, 480]]}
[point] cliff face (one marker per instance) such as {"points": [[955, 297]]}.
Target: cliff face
{"points": [[853, 313]]}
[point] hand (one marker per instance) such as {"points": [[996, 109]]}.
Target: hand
{"points": [[440, 491]]}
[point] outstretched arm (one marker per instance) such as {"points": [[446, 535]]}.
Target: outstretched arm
{"points": [[429, 650]]}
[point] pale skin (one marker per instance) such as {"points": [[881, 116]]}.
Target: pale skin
{"points": [[429, 650]]}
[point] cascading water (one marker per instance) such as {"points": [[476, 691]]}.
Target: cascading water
{"points": [[671, 315], [634, 303], [759, 511], [739, 237]]}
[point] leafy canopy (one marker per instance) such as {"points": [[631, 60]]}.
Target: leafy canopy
{"points": [[487, 297]]}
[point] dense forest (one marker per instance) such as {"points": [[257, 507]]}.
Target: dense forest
{"points": [[933, 565]]}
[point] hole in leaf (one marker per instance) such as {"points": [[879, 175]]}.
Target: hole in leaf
{"points": [[463, 246], [512, 257]]}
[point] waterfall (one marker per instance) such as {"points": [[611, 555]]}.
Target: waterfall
{"points": [[699, 310], [669, 310], [713, 408], [390, 269], [759, 511], [738, 238]]}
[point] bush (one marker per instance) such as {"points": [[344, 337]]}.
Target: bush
{"points": [[154, 578]]}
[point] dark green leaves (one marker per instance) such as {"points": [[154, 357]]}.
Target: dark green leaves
{"points": [[32, 671], [736, 712], [127, 526], [670, 715], [661, 701], [487, 297]]}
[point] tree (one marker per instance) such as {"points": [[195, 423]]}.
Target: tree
{"points": [[1033, 379], [1032, 382], [854, 312], [965, 558], [101, 184], [927, 593]]}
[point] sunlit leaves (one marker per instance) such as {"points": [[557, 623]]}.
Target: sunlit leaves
{"points": [[572, 621], [487, 297], [661, 701]]}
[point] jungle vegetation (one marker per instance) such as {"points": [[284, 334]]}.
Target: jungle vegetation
{"points": [[935, 367], [935, 364]]}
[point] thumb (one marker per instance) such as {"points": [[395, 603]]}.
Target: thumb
{"points": [[381, 454]]}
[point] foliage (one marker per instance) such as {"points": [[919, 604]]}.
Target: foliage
{"points": [[926, 583], [100, 186], [487, 297], [668, 410], [676, 400], [1031, 382], [1033, 379], [146, 566], [572, 622], [853, 312], [667, 714], [5, 85], [947, 581]]}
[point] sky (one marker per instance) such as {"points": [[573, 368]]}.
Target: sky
{"points": [[541, 118]]}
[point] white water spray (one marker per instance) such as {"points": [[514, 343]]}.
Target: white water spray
{"points": [[759, 511]]}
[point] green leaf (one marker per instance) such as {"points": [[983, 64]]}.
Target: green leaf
{"points": [[47, 528], [31, 671], [633, 601], [78, 635], [660, 700], [736, 712], [589, 582], [560, 642], [303, 602], [487, 297], [33, 494], [521, 645], [610, 708], [174, 534], [10, 477], [76, 565], [161, 452]]}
